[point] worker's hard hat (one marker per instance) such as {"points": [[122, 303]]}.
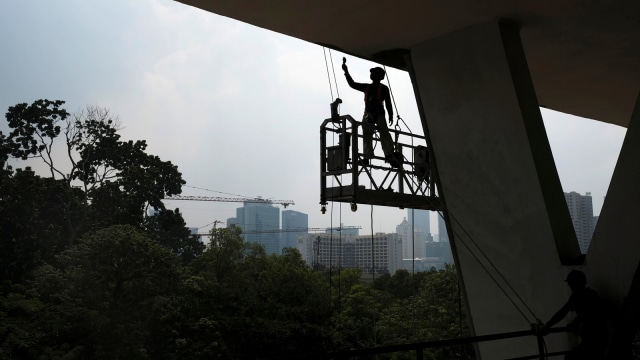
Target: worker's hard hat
{"points": [[378, 71], [576, 277]]}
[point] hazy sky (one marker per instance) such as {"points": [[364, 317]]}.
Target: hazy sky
{"points": [[237, 108]]}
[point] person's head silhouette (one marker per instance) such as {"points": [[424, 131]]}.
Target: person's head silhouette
{"points": [[377, 74], [576, 280]]}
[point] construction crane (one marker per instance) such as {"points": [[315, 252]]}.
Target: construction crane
{"points": [[307, 230], [260, 200]]}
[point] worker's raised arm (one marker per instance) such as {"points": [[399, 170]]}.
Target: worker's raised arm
{"points": [[352, 84], [348, 77]]}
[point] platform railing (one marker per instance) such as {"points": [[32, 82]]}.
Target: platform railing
{"points": [[403, 186]]}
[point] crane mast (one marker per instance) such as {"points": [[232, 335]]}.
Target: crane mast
{"points": [[307, 230]]}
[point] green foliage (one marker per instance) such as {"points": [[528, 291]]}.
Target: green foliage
{"points": [[104, 292], [39, 217], [118, 177], [402, 284], [434, 312], [85, 275], [85, 296], [168, 228], [19, 334], [34, 127], [263, 305], [119, 294]]}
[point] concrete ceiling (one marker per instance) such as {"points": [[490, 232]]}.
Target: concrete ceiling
{"points": [[584, 55]]}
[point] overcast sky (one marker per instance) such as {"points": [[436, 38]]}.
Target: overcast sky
{"points": [[235, 107]]}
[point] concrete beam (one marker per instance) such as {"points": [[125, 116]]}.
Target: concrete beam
{"points": [[510, 225], [613, 259]]}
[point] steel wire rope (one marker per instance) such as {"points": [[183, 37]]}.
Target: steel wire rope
{"points": [[393, 100], [536, 319], [333, 70], [391, 92], [219, 192], [495, 281], [413, 244], [213, 222], [340, 269], [413, 268], [373, 281], [332, 202], [326, 65], [494, 267], [330, 256], [398, 117], [459, 309], [335, 81]]}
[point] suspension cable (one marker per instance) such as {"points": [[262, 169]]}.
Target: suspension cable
{"points": [[393, 99], [335, 81], [331, 255], [373, 272], [502, 289], [495, 281], [219, 192], [332, 202], [494, 267], [398, 118], [413, 268], [413, 243], [340, 269], [326, 65]]}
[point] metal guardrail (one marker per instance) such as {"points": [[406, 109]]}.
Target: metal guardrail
{"points": [[419, 348]]}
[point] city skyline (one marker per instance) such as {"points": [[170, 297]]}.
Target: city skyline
{"points": [[190, 84], [420, 251]]}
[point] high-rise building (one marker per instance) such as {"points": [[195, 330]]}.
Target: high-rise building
{"points": [[420, 219], [261, 223], [293, 220], [348, 231], [443, 236], [581, 211], [440, 250], [326, 250], [404, 230], [413, 240], [349, 251], [382, 253]]}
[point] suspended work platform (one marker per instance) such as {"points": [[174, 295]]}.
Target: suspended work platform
{"points": [[346, 176]]}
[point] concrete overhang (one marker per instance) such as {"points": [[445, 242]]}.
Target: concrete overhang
{"points": [[583, 55]]}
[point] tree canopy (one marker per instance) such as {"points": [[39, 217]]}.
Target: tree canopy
{"points": [[86, 273]]}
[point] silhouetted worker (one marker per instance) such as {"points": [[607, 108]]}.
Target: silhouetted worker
{"points": [[374, 96], [590, 322]]}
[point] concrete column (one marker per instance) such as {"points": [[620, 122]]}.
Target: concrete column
{"points": [[614, 253], [509, 223]]}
